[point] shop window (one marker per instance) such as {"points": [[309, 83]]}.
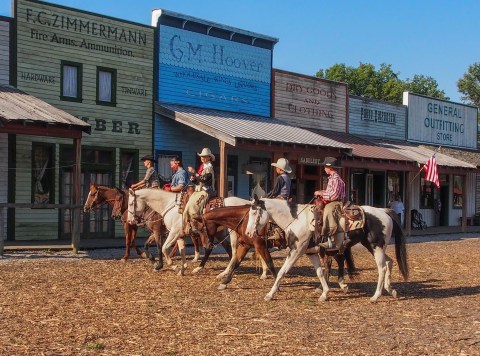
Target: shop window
{"points": [[426, 193], [71, 81], [457, 192], [128, 168], [43, 174], [163, 163], [106, 86]]}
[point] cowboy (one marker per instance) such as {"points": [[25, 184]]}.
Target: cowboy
{"points": [[180, 177], [283, 183], [205, 176], [332, 198], [151, 177]]}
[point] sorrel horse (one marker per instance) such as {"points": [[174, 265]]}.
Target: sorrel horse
{"points": [[375, 235], [236, 219]]}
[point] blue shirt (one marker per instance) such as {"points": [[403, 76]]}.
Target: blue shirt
{"points": [[180, 178]]}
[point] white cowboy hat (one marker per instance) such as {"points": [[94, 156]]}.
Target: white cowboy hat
{"points": [[283, 164], [206, 152]]}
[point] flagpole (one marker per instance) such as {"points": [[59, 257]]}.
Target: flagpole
{"points": [[421, 168]]}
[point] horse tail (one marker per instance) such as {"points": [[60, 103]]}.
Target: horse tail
{"points": [[351, 269], [400, 244]]}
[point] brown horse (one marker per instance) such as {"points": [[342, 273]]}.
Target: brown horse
{"points": [[100, 195], [236, 219]]}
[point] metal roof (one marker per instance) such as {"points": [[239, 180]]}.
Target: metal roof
{"points": [[232, 127], [421, 154], [364, 148], [19, 107]]}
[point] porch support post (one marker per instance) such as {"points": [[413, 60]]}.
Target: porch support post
{"points": [[222, 184], [76, 194]]}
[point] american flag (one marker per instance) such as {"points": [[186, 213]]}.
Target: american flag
{"points": [[431, 171]]}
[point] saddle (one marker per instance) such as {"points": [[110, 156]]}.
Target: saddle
{"points": [[184, 196]]}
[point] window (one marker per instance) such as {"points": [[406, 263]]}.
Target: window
{"points": [[71, 81], [426, 193], [458, 191], [163, 162], [106, 86], [128, 168], [43, 174]]}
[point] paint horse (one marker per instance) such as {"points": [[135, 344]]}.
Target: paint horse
{"points": [[380, 224], [236, 219], [100, 195]]}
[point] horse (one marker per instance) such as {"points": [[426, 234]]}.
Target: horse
{"points": [[235, 218], [295, 220], [99, 195]]}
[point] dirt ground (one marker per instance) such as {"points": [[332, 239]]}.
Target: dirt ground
{"points": [[54, 304]]}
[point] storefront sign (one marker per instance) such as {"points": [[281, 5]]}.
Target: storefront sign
{"points": [[310, 161]]}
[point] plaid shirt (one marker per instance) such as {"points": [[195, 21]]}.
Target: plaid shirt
{"points": [[335, 188]]}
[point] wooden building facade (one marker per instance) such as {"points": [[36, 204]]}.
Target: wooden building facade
{"points": [[99, 69]]}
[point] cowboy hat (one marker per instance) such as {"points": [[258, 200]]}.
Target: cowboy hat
{"points": [[283, 164], [206, 152], [331, 162], [148, 158]]}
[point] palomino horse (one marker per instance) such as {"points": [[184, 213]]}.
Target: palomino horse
{"points": [[236, 219], [295, 220], [100, 195]]}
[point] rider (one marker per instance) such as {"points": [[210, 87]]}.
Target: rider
{"points": [[180, 177], [205, 176], [283, 183], [332, 197], [151, 177]]}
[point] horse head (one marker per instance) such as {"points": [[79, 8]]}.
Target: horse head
{"points": [[135, 207], [92, 198], [257, 217], [117, 205]]}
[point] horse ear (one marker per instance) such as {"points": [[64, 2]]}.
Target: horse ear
{"points": [[255, 198], [131, 192]]}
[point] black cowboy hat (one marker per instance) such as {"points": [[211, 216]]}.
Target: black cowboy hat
{"points": [[148, 158], [331, 162]]}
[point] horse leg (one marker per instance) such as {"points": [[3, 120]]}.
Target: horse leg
{"points": [[262, 250], [196, 245], [380, 259], [181, 248], [128, 237], [158, 239], [315, 260], [146, 247], [340, 258], [171, 240], [292, 257], [233, 244], [241, 250], [388, 274], [204, 260]]}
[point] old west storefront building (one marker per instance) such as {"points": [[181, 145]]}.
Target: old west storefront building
{"points": [[214, 90], [99, 69]]}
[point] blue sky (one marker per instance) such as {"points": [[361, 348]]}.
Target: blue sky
{"points": [[437, 38]]}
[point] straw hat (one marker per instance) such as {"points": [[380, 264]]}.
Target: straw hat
{"points": [[283, 164], [331, 162], [206, 152]]}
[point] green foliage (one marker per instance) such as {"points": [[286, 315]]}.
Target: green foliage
{"points": [[382, 84], [94, 346], [469, 85]]}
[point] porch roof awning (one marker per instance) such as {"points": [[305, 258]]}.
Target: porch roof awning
{"points": [[234, 128], [18, 108], [422, 154]]}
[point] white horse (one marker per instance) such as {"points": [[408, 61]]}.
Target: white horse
{"points": [[296, 220]]}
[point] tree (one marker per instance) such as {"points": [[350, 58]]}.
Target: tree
{"points": [[382, 84], [469, 85]]}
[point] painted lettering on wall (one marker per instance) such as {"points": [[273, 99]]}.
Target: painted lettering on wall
{"points": [[384, 117], [84, 26], [112, 125], [310, 111], [309, 90], [310, 161], [134, 91], [447, 127], [67, 41], [37, 77]]}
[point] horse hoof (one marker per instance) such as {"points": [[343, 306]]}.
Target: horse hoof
{"points": [[124, 260], [222, 287], [196, 270], [268, 298], [174, 268], [394, 293], [263, 277], [144, 255], [344, 289], [158, 266], [323, 298], [373, 299]]}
